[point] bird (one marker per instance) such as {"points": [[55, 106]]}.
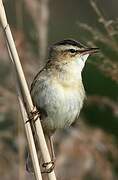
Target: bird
{"points": [[57, 90]]}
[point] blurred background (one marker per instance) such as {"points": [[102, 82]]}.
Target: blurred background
{"points": [[89, 149]]}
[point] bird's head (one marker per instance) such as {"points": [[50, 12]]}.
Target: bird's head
{"points": [[69, 50]]}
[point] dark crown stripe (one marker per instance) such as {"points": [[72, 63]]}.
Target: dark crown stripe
{"points": [[70, 42]]}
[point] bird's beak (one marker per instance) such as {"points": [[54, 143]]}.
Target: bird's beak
{"points": [[89, 51]]}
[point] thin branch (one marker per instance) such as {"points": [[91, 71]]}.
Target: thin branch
{"points": [[28, 129], [107, 24]]}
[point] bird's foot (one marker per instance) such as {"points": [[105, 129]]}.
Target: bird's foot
{"points": [[49, 169], [33, 115]]}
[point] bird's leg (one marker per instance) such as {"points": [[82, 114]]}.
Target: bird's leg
{"points": [[49, 141], [52, 149]]}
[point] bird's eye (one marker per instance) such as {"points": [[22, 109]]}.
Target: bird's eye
{"points": [[72, 50]]}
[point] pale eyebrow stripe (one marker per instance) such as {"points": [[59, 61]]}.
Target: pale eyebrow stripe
{"points": [[65, 47]]}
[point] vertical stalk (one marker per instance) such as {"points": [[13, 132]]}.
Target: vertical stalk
{"points": [[25, 99]]}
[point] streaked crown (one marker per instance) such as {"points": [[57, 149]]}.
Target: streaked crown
{"points": [[70, 47]]}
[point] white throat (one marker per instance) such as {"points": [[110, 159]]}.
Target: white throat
{"points": [[81, 62], [79, 65]]}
